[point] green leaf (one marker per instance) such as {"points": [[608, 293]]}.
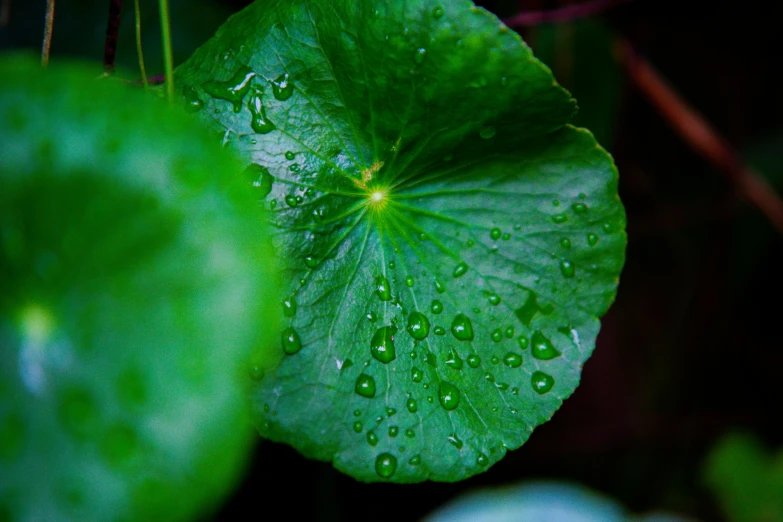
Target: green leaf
{"points": [[135, 280], [449, 240]]}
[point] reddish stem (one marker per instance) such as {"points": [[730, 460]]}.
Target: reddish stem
{"points": [[564, 14], [112, 31]]}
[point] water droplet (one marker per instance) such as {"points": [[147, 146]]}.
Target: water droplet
{"points": [[579, 208], [289, 155], [494, 299], [382, 288], [514, 391], [357, 427], [437, 12], [542, 382], [560, 218], [448, 395], [430, 359], [233, 90], [416, 374], [419, 55], [372, 317], [422, 236], [487, 132], [489, 377], [531, 308], [556, 202], [453, 360], [346, 364], [418, 326], [259, 121], [506, 236], [509, 333], [310, 262], [542, 347], [260, 178], [512, 360], [282, 87], [415, 460], [470, 243], [495, 233], [291, 200], [392, 265], [565, 242], [439, 330], [474, 360], [460, 269], [273, 204], [482, 460], [289, 307], [437, 307], [462, 328], [439, 287], [385, 465], [567, 269], [592, 239], [382, 344], [409, 281], [192, 102], [411, 405], [365, 386], [372, 438], [390, 411], [497, 335], [291, 341], [410, 433], [454, 441], [256, 372], [393, 431], [494, 359], [607, 227]]}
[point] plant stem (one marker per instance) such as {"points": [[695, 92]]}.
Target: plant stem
{"points": [[48, 28], [165, 26], [139, 51], [112, 30], [5, 13], [563, 14]]}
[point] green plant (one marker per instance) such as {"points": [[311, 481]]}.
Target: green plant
{"points": [[447, 240]]}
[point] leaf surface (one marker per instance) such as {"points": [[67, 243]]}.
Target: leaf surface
{"points": [[449, 240]]}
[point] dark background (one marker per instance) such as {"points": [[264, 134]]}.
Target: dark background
{"points": [[692, 348]]}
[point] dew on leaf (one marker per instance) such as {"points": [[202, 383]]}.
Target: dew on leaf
{"points": [[410, 433], [289, 306], [455, 441], [448, 395], [192, 101], [357, 426], [346, 364], [542, 382], [453, 360], [430, 359], [310, 262], [474, 360], [291, 342], [382, 344], [422, 236], [382, 288], [372, 438], [393, 431], [439, 330], [415, 460], [523, 342], [495, 233], [282, 87], [462, 328], [411, 405], [607, 227], [487, 132], [416, 374], [419, 55], [289, 155], [409, 281], [392, 265], [259, 122], [482, 460], [506, 236], [494, 359], [418, 326], [531, 307], [565, 242], [372, 316], [290, 200], [385, 465], [256, 372], [494, 299], [509, 332], [365, 386], [567, 269], [437, 12], [470, 243], [439, 287], [512, 360], [489, 377], [560, 218], [497, 335], [592, 239], [234, 90], [579, 208], [460, 269], [436, 307], [260, 178], [542, 348]]}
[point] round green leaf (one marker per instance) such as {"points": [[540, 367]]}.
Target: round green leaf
{"points": [[135, 280], [449, 240]]}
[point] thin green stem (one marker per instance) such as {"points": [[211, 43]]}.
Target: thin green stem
{"points": [[48, 28], [165, 27], [139, 51]]}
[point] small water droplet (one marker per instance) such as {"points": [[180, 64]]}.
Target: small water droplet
{"points": [[409, 281], [592, 239], [393, 431], [418, 326], [460, 269], [482, 460], [567, 269], [372, 317], [439, 330], [579, 208], [474, 360], [259, 122], [437, 12], [565, 242], [470, 243], [382, 344], [234, 90], [365, 386], [509, 332], [462, 328], [392, 265], [494, 299], [385, 465], [289, 155], [439, 287], [411, 405], [512, 360], [495, 233], [410, 433], [497, 335], [607, 227], [382, 288], [542, 382], [357, 413], [489, 377], [453, 360], [390, 411], [487, 132], [454, 441], [494, 359], [357, 426], [416, 374], [419, 55], [415, 460], [560, 218], [523, 342], [372, 438], [437, 306], [291, 341], [556, 202], [448, 395], [291, 200], [260, 178], [310, 262], [289, 307], [192, 101], [282, 87], [542, 347]]}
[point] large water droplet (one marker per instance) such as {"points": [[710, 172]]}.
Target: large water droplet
{"points": [[382, 288], [289, 306], [579, 208], [411, 405], [291, 201], [462, 328], [460, 269], [542, 347], [260, 178], [418, 326], [233, 90], [192, 101], [512, 360], [291, 341], [448, 395], [282, 87], [560, 218], [567, 268], [365, 386], [487, 132], [259, 122], [385, 465], [542, 382], [382, 344], [495, 233], [416, 374]]}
